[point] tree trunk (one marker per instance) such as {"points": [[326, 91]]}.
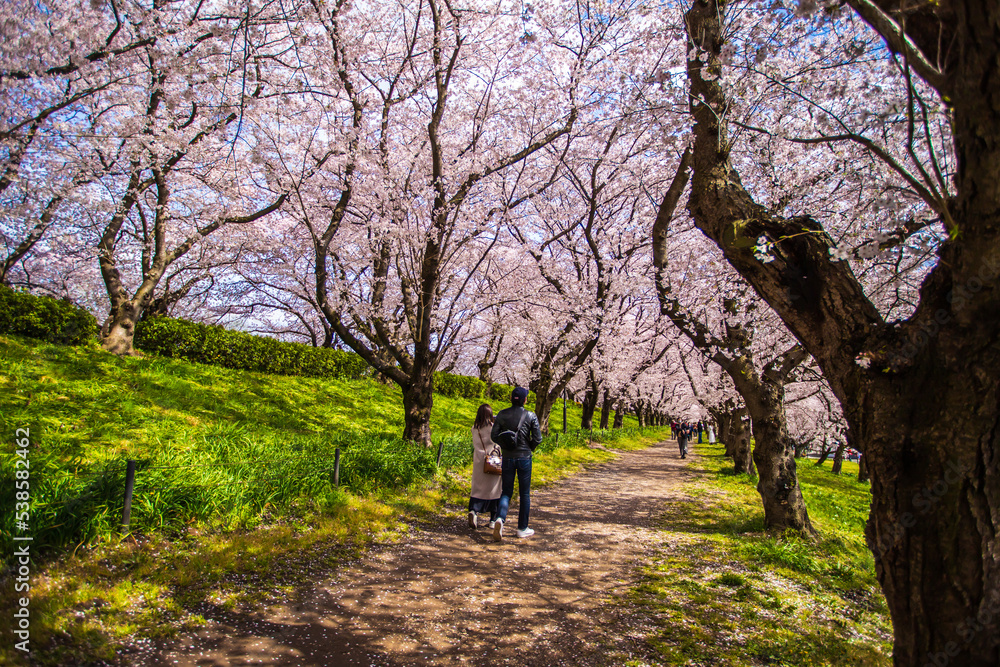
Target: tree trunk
{"points": [[119, 329], [725, 421], [640, 413], [547, 387], [589, 405], [619, 416], [606, 406], [824, 453], [935, 520], [863, 469], [541, 384], [774, 454], [838, 458], [543, 408], [418, 399], [742, 455]]}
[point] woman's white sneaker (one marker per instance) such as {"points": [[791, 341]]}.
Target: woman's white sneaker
{"points": [[472, 521], [527, 532], [498, 531]]}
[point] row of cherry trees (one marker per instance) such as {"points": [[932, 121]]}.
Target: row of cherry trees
{"points": [[781, 211]]}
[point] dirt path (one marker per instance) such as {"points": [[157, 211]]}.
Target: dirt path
{"points": [[452, 596]]}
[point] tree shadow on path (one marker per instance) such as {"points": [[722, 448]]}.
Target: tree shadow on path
{"points": [[451, 596]]}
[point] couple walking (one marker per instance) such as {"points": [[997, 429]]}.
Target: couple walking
{"points": [[516, 432]]}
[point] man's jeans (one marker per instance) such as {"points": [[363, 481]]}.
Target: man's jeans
{"points": [[522, 468]]}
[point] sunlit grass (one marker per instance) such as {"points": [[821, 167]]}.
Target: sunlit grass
{"points": [[727, 593], [234, 502], [219, 447]]}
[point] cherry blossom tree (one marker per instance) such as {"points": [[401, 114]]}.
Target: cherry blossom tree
{"points": [[904, 378], [430, 139], [586, 237], [147, 139]]}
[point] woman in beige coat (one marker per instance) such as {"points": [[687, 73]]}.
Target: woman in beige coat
{"points": [[485, 494]]}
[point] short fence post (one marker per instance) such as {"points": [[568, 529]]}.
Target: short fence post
{"points": [[336, 467], [565, 430], [129, 486], [440, 451]]}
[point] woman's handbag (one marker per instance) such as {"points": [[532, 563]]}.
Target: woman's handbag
{"points": [[493, 464]]}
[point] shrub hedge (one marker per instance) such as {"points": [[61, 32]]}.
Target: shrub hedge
{"points": [[44, 317], [463, 386], [218, 346]]}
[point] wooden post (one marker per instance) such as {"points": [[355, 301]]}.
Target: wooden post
{"points": [[440, 450], [564, 411], [336, 467], [129, 486]]}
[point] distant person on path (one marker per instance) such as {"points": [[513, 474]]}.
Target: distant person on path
{"points": [[711, 434], [682, 442], [485, 495], [517, 431]]}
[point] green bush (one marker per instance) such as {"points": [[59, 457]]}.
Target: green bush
{"points": [[463, 386], [459, 386], [501, 392], [43, 317], [218, 346]]}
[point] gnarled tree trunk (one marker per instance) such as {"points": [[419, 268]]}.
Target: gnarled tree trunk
{"points": [[119, 329], [619, 416], [925, 407], [774, 454], [640, 412], [863, 475], [589, 404], [418, 400]]}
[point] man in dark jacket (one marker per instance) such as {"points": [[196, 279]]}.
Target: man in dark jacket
{"points": [[682, 441], [516, 459]]}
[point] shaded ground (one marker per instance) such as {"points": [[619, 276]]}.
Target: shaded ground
{"points": [[452, 596]]}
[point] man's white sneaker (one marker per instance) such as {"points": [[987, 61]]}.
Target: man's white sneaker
{"points": [[472, 521], [498, 531], [527, 532], [492, 523]]}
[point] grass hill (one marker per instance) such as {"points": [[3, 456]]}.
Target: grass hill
{"points": [[234, 500], [214, 446]]}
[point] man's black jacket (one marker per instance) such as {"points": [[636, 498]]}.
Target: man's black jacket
{"points": [[529, 437]]}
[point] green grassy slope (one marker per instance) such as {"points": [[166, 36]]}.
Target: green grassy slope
{"points": [[222, 447], [85, 403]]}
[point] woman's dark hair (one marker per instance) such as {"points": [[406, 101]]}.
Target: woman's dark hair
{"points": [[484, 416]]}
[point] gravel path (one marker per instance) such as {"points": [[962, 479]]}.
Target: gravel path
{"points": [[452, 596]]}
